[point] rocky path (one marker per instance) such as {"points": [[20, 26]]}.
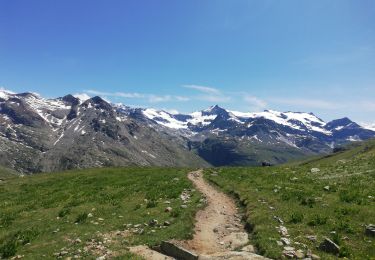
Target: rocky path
{"points": [[218, 229], [218, 226]]}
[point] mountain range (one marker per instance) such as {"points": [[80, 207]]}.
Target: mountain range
{"points": [[40, 135]]}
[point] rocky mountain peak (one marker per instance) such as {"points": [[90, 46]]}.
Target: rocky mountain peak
{"points": [[98, 103], [70, 99]]}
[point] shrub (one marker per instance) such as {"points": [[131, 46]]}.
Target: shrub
{"points": [[310, 202], [8, 249], [81, 218], [65, 211], [348, 196], [151, 204], [318, 220], [296, 217]]}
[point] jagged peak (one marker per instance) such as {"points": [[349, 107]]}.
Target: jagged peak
{"points": [[70, 99], [98, 102]]}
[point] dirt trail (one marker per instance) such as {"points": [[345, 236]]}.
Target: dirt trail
{"points": [[218, 228], [216, 223]]}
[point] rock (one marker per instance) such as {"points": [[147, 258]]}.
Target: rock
{"points": [[314, 257], [153, 222], [248, 248], [299, 254], [278, 219], [285, 241], [283, 231], [315, 170], [168, 209], [279, 243], [326, 188], [101, 257], [215, 230], [329, 246], [233, 255], [236, 240], [90, 215], [184, 206], [77, 241], [289, 252], [311, 238], [146, 253], [100, 219], [62, 253], [167, 223], [177, 252], [370, 230]]}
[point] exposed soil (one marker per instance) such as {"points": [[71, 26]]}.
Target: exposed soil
{"points": [[218, 224], [218, 228]]}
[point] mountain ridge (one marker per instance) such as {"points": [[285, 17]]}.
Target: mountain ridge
{"points": [[38, 134]]}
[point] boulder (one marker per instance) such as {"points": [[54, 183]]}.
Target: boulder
{"points": [[370, 230], [177, 252], [329, 246], [248, 248], [315, 170], [237, 239]]}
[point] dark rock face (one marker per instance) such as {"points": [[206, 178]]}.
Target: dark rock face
{"points": [[370, 230], [329, 246], [20, 113]]}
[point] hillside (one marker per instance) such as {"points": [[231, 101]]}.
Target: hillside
{"points": [[331, 196], [93, 213]]}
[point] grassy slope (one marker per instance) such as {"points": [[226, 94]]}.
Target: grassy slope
{"points": [[30, 206], [299, 198], [6, 173]]}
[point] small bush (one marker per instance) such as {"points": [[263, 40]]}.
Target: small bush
{"points": [[151, 204], [346, 227], [349, 196], [296, 217], [64, 212], [345, 252], [310, 202], [81, 218], [8, 249], [175, 213], [336, 238], [318, 220], [6, 220]]}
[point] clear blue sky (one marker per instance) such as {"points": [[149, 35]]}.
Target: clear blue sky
{"points": [[248, 55]]}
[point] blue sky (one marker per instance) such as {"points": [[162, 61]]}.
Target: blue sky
{"points": [[314, 56]]}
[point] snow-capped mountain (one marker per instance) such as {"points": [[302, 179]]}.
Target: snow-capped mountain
{"points": [[38, 134], [269, 135], [370, 126]]}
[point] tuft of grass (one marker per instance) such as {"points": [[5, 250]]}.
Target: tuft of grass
{"points": [[296, 217], [81, 218]]}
